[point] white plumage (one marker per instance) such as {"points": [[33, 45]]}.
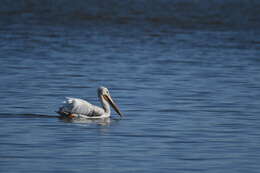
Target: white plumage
{"points": [[78, 108]]}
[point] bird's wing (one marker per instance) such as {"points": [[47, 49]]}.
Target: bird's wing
{"points": [[79, 106]]}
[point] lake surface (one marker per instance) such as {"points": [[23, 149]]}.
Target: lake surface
{"points": [[190, 97]]}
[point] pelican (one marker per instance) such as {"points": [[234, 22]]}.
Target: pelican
{"points": [[78, 108]]}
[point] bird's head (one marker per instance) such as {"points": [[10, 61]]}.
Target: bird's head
{"points": [[104, 93]]}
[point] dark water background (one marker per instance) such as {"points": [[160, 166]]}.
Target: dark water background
{"points": [[185, 73]]}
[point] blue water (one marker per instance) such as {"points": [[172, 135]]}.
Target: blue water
{"points": [[189, 89]]}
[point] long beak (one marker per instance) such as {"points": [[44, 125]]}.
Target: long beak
{"points": [[113, 104]]}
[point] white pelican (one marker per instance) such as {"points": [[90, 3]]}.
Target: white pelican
{"points": [[78, 108]]}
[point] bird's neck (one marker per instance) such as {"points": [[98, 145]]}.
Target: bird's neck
{"points": [[105, 105]]}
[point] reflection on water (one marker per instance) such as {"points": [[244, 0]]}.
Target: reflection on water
{"points": [[103, 121]]}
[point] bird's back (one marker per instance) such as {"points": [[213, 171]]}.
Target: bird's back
{"points": [[80, 107]]}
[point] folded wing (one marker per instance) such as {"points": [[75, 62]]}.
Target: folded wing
{"points": [[79, 106]]}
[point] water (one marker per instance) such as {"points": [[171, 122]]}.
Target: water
{"points": [[190, 95]]}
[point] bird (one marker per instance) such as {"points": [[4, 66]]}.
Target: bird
{"points": [[73, 108]]}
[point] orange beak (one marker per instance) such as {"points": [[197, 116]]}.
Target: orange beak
{"points": [[113, 104]]}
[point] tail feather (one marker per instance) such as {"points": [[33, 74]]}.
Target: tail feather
{"points": [[65, 109]]}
